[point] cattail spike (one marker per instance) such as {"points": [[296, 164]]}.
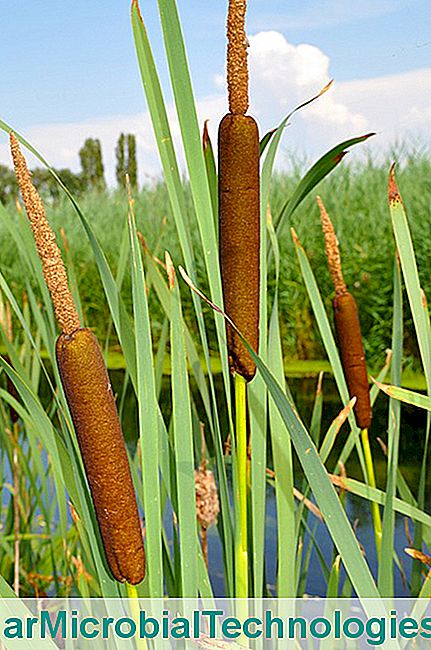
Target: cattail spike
{"points": [[239, 242], [94, 414], [347, 326], [237, 68], [332, 251], [352, 354], [239, 203], [47, 248], [91, 403]]}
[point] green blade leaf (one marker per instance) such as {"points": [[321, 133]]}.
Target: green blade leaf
{"points": [[315, 174], [148, 418]]}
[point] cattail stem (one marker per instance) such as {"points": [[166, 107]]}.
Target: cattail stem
{"points": [[132, 595], [239, 243], [371, 480], [91, 403], [241, 554]]}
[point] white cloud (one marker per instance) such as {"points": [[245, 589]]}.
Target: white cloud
{"points": [[282, 76], [396, 103]]}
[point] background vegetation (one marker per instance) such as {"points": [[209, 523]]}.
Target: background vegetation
{"points": [[355, 196]]}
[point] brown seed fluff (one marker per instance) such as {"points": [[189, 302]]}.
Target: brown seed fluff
{"points": [[49, 253], [94, 414], [237, 69], [207, 502], [239, 236], [352, 355]]}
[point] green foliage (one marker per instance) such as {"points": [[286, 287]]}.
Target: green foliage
{"points": [[354, 196], [48, 187]]}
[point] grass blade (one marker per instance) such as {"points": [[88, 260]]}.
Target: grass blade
{"points": [[282, 454], [183, 445], [148, 419], [386, 571]]}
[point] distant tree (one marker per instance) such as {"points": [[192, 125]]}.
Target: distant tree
{"points": [[120, 169], [125, 153], [43, 180], [132, 165], [90, 156], [8, 184]]}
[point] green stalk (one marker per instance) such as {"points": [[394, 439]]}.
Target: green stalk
{"points": [[371, 480], [241, 543], [132, 595]]}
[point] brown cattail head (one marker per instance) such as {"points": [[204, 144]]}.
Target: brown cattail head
{"points": [[347, 327], [89, 396], [352, 355], [239, 235], [94, 414], [49, 253], [237, 69], [332, 250]]}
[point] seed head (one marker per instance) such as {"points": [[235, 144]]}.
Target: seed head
{"points": [[237, 69], [207, 503], [46, 245], [332, 250]]}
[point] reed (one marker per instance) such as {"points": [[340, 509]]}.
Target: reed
{"points": [[239, 244], [349, 339], [347, 327], [90, 399], [239, 208]]}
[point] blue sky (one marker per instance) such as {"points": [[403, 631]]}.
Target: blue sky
{"points": [[74, 62]]}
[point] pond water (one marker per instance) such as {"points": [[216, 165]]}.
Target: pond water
{"points": [[358, 510]]}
